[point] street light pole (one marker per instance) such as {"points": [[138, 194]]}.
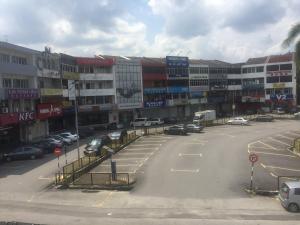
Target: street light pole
{"points": [[76, 123]]}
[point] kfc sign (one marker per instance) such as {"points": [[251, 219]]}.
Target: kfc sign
{"points": [[26, 116], [46, 111]]}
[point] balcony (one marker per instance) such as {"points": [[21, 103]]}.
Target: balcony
{"points": [[17, 69], [96, 76], [96, 108], [96, 92], [252, 86], [155, 90], [51, 92]]}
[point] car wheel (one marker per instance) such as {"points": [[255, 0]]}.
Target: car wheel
{"points": [[293, 207], [33, 157]]}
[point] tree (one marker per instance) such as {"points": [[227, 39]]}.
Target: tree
{"points": [[292, 36]]}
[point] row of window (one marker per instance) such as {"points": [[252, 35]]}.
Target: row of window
{"points": [[107, 84], [177, 71], [279, 91], [4, 58], [258, 69], [159, 70], [198, 82], [279, 79], [92, 69], [93, 100], [198, 70], [15, 83], [279, 67]]}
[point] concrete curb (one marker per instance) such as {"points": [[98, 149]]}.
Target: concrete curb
{"points": [[261, 192]]}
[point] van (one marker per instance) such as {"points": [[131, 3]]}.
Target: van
{"points": [[140, 122], [289, 195]]}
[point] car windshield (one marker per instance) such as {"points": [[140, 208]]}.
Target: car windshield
{"points": [[95, 142]]}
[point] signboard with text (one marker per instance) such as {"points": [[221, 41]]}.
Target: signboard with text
{"points": [[13, 93], [47, 110]]}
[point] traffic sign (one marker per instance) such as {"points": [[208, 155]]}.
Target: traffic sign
{"points": [[57, 151], [253, 157]]}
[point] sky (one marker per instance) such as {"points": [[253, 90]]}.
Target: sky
{"points": [[228, 30]]}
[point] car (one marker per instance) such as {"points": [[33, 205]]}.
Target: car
{"points": [[24, 152], [297, 115], [58, 143], [118, 135], [176, 129], [238, 121], [65, 140], [264, 118], [46, 146], [94, 147], [69, 135], [156, 121], [140, 122], [193, 128], [289, 195]]}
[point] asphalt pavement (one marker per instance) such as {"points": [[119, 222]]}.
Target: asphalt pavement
{"points": [[193, 179]]}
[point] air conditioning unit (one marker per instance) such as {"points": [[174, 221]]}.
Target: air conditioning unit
{"points": [[4, 110]]}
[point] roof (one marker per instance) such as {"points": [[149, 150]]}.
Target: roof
{"points": [[259, 60], [217, 63], [293, 184], [17, 48], [281, 58], [198, 61], [159, 62]]}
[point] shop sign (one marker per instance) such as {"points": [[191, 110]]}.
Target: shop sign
{"points": [[176, 90], [26, 116], [279, 85], [177, 61], [281, 97], [71, 75], [8, 119], [13, 93], [51, 91], [46, 111], [154, 104]]}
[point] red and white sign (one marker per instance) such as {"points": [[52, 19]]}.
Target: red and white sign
{"points": [[26, 116], [253, 158], [45, 111], [57, 152]]}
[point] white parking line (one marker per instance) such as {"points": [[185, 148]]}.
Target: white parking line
{"points": [[270, 146], [139, 149], [189, 154], [279, 135], [187, 171], [284, 143], [271, 149], [281, 168], [194, 143], [269, 153]]}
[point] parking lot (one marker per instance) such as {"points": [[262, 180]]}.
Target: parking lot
{"points": [[276, 158]]}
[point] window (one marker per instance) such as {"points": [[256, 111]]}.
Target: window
{"points": [[259, 69], [286, 67], [272, 79], [7, 83], [272, 68], [285, 78], [297, 191], [4, 58], [19, 60], [234, 81]]}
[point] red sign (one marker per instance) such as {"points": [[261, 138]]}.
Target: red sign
{"points": [[95, 61], [57, 151], [13, 93], [253, 158], [8, 119], [26, 116], [45, 111]]}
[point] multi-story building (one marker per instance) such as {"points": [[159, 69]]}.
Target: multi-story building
{"points": [[19, 94]]}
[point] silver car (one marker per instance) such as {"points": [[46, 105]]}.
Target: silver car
{"points": [[289, 195]]}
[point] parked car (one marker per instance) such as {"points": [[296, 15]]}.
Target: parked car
{"points": [[46, 146], [86, 132], [24, 152], [140, 122], [69, 135], [58, 143], [156, 121], [264, 118], [238, 121], [118, 135], [297, 115], [115, 126], [67, 141], [193, 128], [176, 129], [289, 195], [94, 147]]}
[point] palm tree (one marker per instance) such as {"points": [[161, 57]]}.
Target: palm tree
{"points": [[292, 35]]}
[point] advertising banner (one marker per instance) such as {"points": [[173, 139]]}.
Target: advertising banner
{"points": [[177, 61], [48, 110]]}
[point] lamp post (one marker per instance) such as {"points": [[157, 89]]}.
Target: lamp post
{"points": [[76, 115]]}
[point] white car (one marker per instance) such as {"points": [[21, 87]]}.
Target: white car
{"points": [[65, 140], [297, 115], [238, 121], [69, 135], [156, 121], [140, 122]]}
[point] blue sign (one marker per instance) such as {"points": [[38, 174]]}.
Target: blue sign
{"points": [[177, 90], [155, 104], [160, 90], [177, 61], [281, 97]]}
